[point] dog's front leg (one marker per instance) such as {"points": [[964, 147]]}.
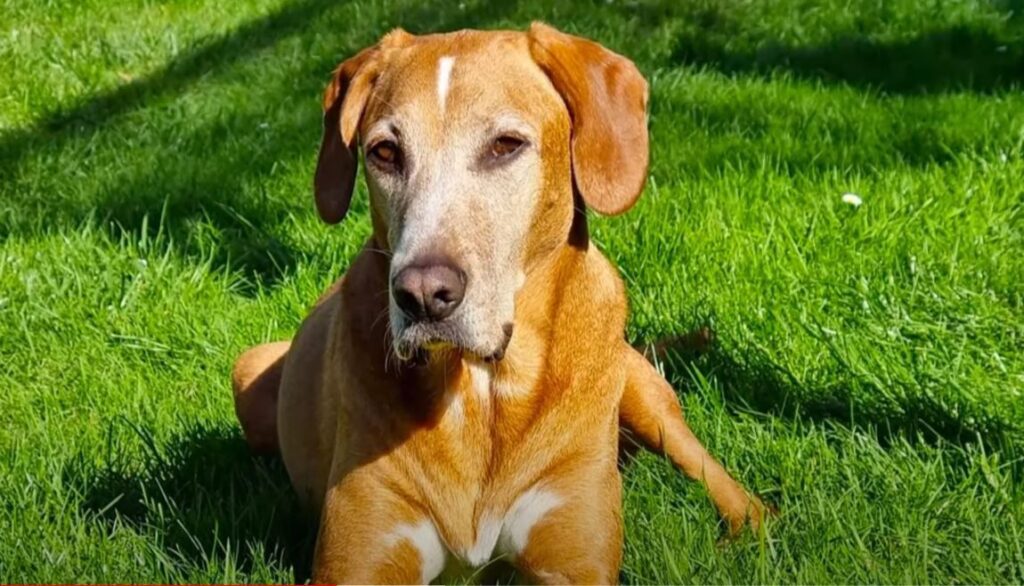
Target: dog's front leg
{"points": [[579, 540], [650, 411], [368, 535]]}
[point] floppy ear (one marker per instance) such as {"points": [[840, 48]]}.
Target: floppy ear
{"points": [[607, 100], [344, 101]]}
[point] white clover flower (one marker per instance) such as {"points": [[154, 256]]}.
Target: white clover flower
{"points": [[852, 199]]}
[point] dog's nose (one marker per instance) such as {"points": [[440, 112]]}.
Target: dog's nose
{"points": [[429, 292]]}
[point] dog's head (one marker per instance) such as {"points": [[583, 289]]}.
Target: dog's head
{"points": [[476, 144]]}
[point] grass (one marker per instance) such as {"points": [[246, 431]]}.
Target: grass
{"points": [[156, 219]]}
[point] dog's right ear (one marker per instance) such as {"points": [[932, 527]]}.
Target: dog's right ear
{"points": [[344, 102]]}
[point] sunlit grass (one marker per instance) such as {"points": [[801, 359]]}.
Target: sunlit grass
{"points": [[867, 379]]}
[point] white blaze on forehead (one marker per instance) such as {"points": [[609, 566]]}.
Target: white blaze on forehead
{"points": [[444, 79]]}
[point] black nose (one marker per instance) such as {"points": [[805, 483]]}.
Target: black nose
{"points": [[429, 291]]}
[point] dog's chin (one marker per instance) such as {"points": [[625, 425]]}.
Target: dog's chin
{"points": [[423, 343], [416, 343]]}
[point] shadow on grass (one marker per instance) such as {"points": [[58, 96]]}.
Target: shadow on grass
{"points": [[165, 177], [134, 152], [751, 381], [964, 57], [205, 497], [130, 155]]}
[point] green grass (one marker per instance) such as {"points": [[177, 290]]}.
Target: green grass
{"points": [[156, 218]]}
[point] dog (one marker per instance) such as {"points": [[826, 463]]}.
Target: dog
{"points": [[457, 396]]}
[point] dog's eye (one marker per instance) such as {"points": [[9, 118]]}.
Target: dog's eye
{"points": [[504, 146], [385, 153]]}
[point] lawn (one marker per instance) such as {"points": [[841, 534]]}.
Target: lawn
{"points": [[156, 219]]}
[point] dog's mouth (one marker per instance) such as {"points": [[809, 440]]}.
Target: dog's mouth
{"points": [[417, 342]]}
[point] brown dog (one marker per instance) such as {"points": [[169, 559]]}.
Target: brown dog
{"points": [[457, 396]]}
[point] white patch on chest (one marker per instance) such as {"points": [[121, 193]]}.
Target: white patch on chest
{"points": [[505, 537], [444, 80], [487, 535], [529, 508], [424, 537], [509, 536]]}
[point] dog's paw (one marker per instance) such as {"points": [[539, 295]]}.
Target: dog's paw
{"points": [[752, 514]]}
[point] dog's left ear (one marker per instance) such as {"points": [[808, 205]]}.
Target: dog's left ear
{"points": [[607, 100]]}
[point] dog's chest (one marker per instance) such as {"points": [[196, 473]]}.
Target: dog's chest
{"points": [[479, 512], [499, 535]]}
